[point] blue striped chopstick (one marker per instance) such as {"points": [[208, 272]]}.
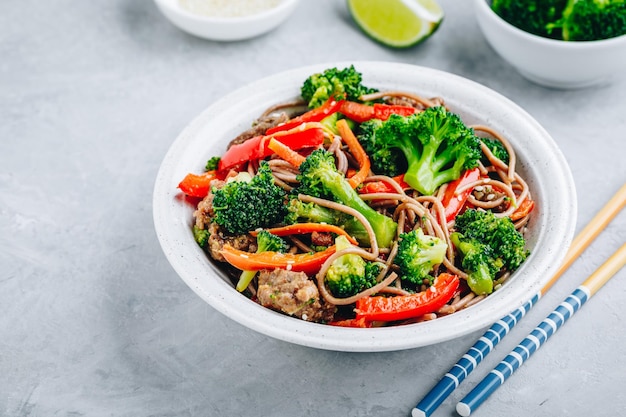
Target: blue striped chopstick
{"points": [[488, 341], [544, 330], [468, 362]]}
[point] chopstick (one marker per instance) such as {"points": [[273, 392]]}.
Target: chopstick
{"points": [[487, 342], [544, 330]]}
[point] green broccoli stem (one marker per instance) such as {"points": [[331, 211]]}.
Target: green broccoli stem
{"points": [[245, 279], [566, 13], [311, 212], [384, 227], [479, 278], [480, 281], [424, 172]]}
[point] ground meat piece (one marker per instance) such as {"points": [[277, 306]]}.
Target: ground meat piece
{"points": [[322, 239], [219, 237], [260, 126], [293, 293]]}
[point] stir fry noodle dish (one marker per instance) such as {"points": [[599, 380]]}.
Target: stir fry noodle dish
{"points": [[353, 206]]}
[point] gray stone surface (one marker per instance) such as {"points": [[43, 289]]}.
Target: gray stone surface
{"points": [[93, 320]]}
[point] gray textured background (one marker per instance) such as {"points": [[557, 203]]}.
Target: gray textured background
{"points": [[93, 320]]}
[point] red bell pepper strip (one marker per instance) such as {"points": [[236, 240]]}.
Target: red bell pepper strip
{"points": [[316, 115], [523, 210], [302, 262], [402, 307], [257, 147], [362, 112], [357, 111], [453, 202], [197, 185], [383, 111], [373, 187], [306, 228]]}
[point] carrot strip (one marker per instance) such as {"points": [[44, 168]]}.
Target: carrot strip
{"points": [[248, 261], [523, 210], [305, 228], [285, 152], [357, 151]]}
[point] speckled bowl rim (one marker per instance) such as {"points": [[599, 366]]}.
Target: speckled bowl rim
{"points": [[540, 160]]}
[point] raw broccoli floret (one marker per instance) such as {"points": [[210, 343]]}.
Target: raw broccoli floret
{"points": [[570, 20], [301, 212], [350, 274], [417, 255], [487, 244], [248, 203], [319, 178], [384, 160], [533, 16], [437, 146], [590, 20], [266, 242], [336, 83]]}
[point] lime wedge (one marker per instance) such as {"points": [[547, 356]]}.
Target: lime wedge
{"points": [[397, 23]]}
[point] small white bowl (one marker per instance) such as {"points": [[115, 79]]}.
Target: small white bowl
{"points": [[550, 62], [226, 28], [540, 162]]}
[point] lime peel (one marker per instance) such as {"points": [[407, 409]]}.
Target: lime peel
{"points": [[397, 23]]}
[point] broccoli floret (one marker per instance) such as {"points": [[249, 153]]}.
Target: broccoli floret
{"points": [[437, 146], [497, 149], [201, 236], [479, 261], [497, 232], [266, 242], [336, 83], [319, 178], [350, 274], [417, 255], [212, 163], [249, 203], [487, 244], [533, 16], [590, 20], [384, 160]]}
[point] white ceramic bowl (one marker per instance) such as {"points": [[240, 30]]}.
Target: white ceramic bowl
{"points": [[550, 62], [226, 28], [540, 162]]}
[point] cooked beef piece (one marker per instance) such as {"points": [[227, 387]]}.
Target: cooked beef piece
{"points": [[260, 126], [322, 239], [204, 211], [219, 237], [293, 293]]}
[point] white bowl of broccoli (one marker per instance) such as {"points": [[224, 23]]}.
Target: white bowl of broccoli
{"points": [[558, 43]]}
